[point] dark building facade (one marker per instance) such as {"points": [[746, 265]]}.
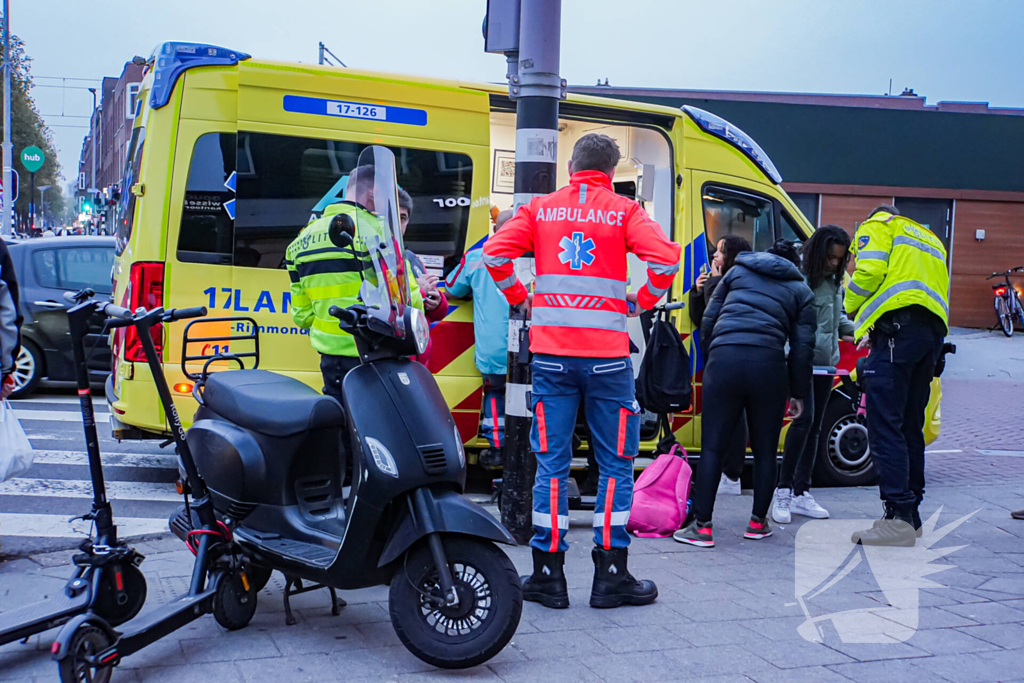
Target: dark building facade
{"points": [[955, 167]]}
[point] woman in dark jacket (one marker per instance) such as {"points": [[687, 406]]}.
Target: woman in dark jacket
{"points": [[726, 251], [761, 304]]}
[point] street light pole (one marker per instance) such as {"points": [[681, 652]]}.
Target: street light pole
{"points": [[8, 146], [42, 204], [92, 154]]}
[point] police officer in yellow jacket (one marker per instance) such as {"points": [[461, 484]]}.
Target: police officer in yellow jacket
{"points": [[898, 297], [324, 275]]}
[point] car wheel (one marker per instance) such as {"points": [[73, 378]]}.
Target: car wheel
{"points": [[28, 369], [844, 458]]}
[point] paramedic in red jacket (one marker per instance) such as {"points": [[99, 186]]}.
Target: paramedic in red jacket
{"points": [[580, 236]]}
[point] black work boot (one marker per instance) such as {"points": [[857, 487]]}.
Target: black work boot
{"points": [[614, 585], [896, 528], [915, 520], [547, 584], [491, 458]]}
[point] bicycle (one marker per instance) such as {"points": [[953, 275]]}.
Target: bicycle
{"points": [[1007, 303]]}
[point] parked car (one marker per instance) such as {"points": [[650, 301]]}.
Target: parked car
{"points": [[47, 267]]}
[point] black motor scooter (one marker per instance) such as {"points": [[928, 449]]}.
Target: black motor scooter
{"points": [[272, 452], [107, 580]]}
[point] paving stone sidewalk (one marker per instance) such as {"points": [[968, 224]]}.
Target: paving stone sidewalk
{"points": [[726, 614]]}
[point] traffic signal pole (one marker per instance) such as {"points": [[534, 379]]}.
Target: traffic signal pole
{"points": [[536, 88]]}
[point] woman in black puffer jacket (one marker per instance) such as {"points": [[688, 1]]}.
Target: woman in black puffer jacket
{"points": [[761, 304]]}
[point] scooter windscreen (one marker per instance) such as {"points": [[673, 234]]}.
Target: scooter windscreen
{"points": [[373, 186]]}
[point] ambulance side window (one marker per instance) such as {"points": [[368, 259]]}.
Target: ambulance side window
{"points": [[729, 211], [207, 228]]}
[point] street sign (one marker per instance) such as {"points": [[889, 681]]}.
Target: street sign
{"points": [[32, 158]]}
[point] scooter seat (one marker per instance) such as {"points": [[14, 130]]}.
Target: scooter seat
{"points": [[270, 404]]}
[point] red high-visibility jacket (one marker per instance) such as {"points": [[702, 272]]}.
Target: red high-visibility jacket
{"points": [[580, 236]]}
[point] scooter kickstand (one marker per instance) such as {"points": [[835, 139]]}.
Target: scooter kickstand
{"points": [[336, 602], [289, 619]]}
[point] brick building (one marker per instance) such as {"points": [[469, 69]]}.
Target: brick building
{"points": [[111, 124], [954, 166]]}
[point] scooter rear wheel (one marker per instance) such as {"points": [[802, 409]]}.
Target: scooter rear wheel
{"points": [[87, 641], [115, 608], [467, 634]]}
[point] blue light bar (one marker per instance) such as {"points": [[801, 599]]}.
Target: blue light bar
{"points": [[170, 60], [720, 128]]}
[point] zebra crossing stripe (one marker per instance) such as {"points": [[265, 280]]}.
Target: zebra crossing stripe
{"points": [[46, 457], [57, 416], [75, 488], [56, 526]]}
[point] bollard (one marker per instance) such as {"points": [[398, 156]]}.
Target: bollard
{"points": [[520, 466]]}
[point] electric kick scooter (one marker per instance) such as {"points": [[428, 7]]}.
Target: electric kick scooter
{"points": [[107, 580], [88, 646]]}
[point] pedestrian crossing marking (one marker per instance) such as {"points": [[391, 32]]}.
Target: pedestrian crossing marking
{"points": [[57, 416], [56, 526], [74, 488], [47, 457]]}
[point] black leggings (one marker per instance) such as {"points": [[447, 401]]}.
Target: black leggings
{"points": [[738, 378], [802, 438]]}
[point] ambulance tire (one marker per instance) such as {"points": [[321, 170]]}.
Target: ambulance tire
{"points": [[844, 458]]}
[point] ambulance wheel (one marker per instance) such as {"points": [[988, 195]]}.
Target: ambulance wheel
{"points": [[234, 605], [844, 458], [87, 641], [466, 634]]}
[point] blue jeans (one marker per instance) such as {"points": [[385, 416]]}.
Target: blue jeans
{"points": [[606, 388]]}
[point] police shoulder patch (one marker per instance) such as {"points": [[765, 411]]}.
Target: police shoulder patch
{"points": [[862, 241]]}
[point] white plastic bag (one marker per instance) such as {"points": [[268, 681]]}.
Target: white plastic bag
{"points": [[15, 450]]}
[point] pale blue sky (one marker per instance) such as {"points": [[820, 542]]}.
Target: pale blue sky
{"points": [[944, 49]]}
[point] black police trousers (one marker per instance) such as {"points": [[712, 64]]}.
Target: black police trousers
{"points": [[897, 378]]}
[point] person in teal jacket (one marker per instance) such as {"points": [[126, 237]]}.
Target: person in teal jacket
{"points": [[490, 328]]}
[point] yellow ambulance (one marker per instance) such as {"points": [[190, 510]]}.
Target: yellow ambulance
{"points": [[232, 156]]}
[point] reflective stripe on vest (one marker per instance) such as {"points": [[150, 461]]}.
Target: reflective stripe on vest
{"points": [[580, 284], [495, 261], [579, 317], [857, 289], [865, 312], [661, 269], [873, 255], [903, 240]]}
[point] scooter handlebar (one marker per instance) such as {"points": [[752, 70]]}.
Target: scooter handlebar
{"points": [[343, 314], [186, 313], [79, 296], [112, 311]]}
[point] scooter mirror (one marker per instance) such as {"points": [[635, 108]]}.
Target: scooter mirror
{"points": [[342, 231]]}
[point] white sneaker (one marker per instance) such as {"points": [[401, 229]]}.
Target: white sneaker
{"points": [[729, 487], [781, 506], [805, 505]]}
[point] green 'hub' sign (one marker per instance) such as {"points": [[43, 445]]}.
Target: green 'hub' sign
{"points": [[32, 159]]}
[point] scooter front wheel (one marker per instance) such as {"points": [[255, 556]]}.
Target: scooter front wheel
{"points": [[471, 632], [87, 641]]}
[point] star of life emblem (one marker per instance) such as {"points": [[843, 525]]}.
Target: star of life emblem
{"points": [[578, 251]]}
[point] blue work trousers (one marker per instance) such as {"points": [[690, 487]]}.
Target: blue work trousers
{"points": [[606, 388], [492, 424]]}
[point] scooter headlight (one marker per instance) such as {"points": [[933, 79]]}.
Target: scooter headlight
{"points": [[420, 330], [458, 446], [382, 457]]}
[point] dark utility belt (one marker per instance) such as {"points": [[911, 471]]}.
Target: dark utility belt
{"points": [[891, 321]]}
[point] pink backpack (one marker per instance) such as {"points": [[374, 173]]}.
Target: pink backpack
{"points": [[660, 495]]}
